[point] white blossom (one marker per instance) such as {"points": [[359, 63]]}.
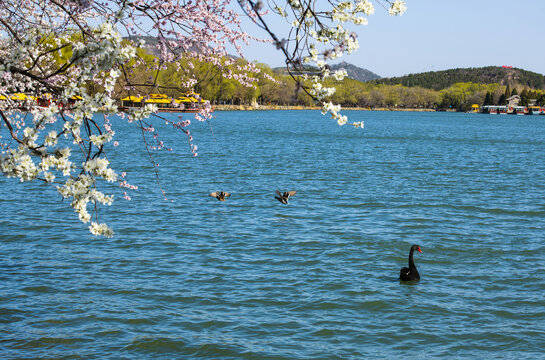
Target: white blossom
{"points": [[365, 7], [49, 177], [51, 138], [101, 229], [340, 74], [398, 8], [342, 119]]}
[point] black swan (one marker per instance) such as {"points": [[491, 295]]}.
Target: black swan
{"points": [[410, 273], [220, 195], [283, 197]]}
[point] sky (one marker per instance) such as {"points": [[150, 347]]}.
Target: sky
{"points": [[436, 35]]}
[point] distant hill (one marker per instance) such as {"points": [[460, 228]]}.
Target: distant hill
{"points": [[355, 72], [438, 80], [352, 71]]}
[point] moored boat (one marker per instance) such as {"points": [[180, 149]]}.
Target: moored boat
{"points": [[189, 102], [520, 110], [537, 110]]}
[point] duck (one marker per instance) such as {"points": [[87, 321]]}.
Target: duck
{"points": [[220, 195], [410, 273], [284, 196]]}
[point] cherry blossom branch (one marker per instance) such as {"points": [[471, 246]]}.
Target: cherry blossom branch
{"points": [[63, 61]]}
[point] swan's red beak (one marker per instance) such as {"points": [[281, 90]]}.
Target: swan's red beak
{"points": [[420, 250]]}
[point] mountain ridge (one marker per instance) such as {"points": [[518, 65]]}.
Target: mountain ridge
{"points": [[353, 72], [356, 72]]}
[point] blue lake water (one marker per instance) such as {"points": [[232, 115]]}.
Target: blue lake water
{"points": [[194, 278]]}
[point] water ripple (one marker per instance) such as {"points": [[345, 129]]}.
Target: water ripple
{"points": [[316, 279]]}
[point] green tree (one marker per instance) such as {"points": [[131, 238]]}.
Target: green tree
{"points": [[524, 97], [488, 98], [507, 93]]}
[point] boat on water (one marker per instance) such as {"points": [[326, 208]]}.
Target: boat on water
{"points": [[513, 110], [189, 102], [474, 109], [520, 110], [537, 110], [26, 102]]}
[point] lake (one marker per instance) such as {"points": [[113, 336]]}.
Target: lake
{"points": [[189, 277]]}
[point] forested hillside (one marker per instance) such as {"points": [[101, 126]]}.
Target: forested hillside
{"points": [[438, 80]]}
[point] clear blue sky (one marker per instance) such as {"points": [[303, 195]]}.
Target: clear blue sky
{"points": [[443, 34]]}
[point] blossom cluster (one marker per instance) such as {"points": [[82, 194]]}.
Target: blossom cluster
{"points": [[398, 8], [53, 68]]}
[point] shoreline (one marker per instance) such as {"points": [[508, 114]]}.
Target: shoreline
{"points": [[296, 107]]}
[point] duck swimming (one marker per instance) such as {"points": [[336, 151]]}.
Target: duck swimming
{"points": [[283, 197], [220, 195], [410, 273]]}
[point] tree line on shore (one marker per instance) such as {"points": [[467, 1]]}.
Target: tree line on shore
{"points": [[277, 88]]}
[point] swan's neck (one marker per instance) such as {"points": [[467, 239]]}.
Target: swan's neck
{"points": [[411, 262]]}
